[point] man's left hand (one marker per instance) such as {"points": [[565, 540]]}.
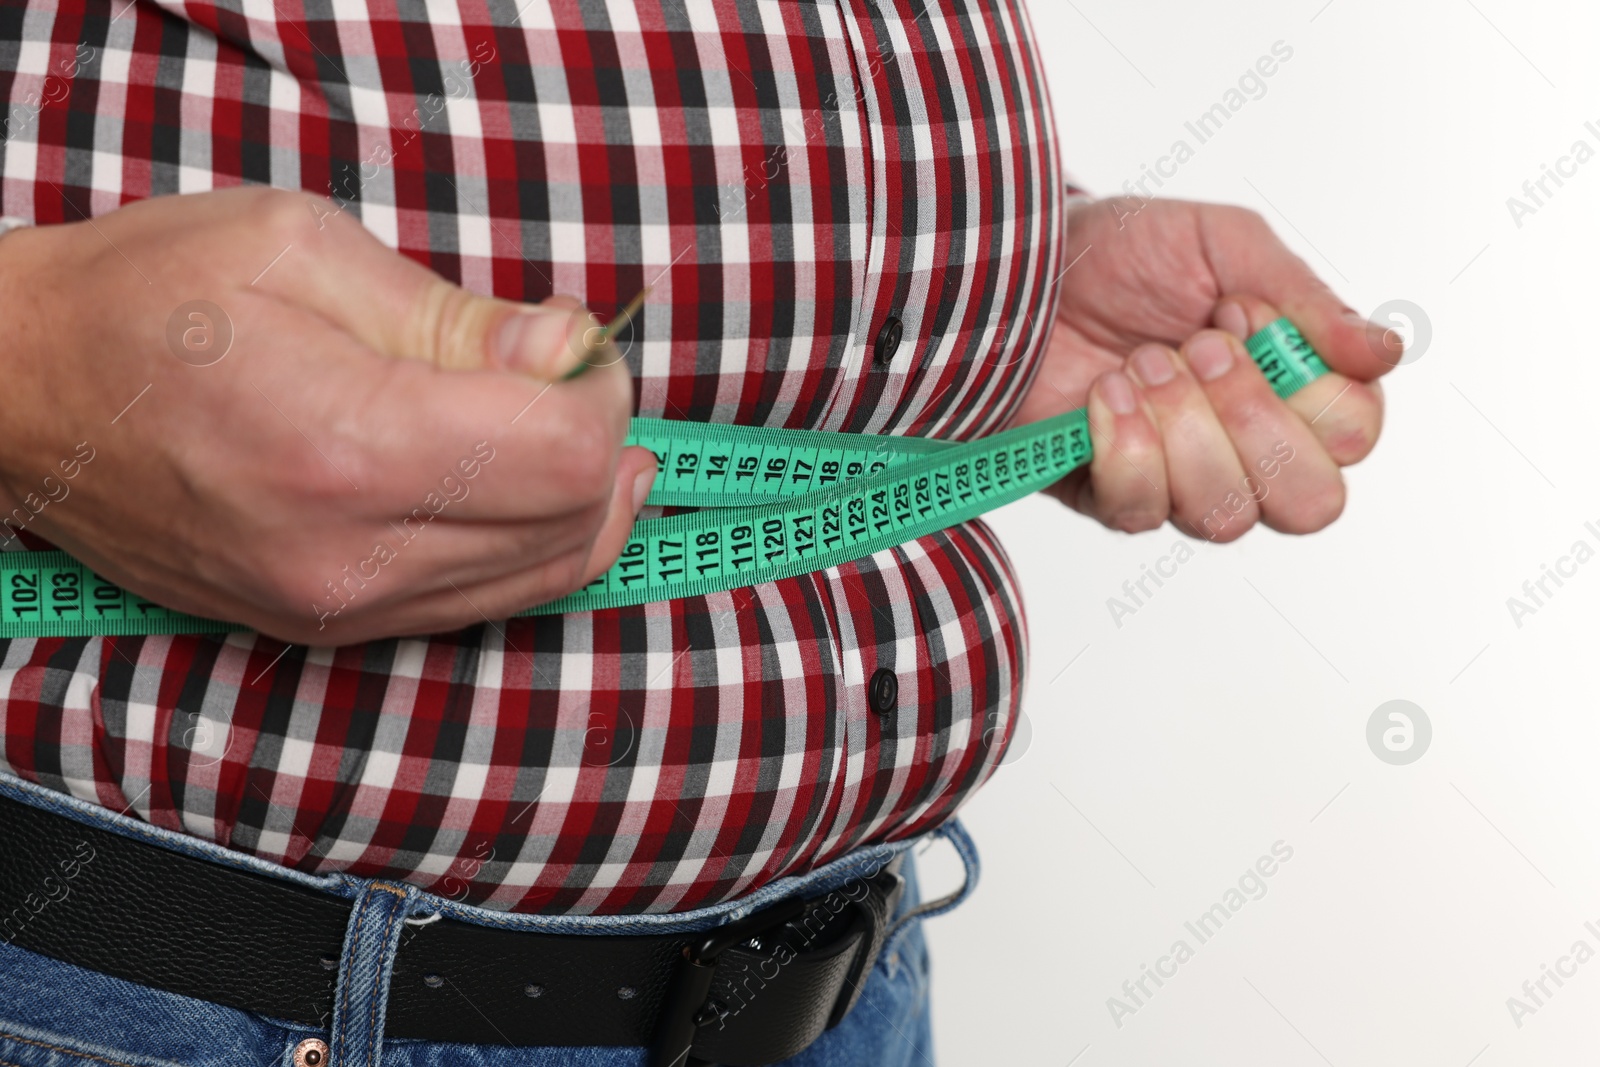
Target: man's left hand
{"points": [[1149, 331]]}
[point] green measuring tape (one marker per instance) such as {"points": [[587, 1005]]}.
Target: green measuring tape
{"points": [[774, 504]]}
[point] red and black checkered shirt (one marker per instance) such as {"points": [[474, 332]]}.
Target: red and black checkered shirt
{"points": [[792, 176]]}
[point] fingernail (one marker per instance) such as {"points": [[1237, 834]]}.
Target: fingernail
{"points": [[1231, 317], [1387, 343], [1117, 392], [1153, 366], [535, 342], [641, 488], [1210, 355]]}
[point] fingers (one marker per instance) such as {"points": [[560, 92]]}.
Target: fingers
{"points": [[555, 446], [1266, 436], [637, 473], [1346, 415], [449, 603], [1203, 469], [1126, 484], [454, 329], [557, 438], [498, 564], [1247, 257], [403, 310]]}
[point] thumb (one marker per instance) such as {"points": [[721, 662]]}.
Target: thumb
{"points": [[402, 309], [1247, 257], [455, 329]]}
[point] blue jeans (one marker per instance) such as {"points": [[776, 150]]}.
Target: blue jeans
{"points": [[53, 1014]]}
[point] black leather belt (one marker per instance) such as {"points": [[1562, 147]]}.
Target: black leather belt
{"points": [[748, 993]]}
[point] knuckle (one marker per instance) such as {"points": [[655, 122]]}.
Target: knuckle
{"points": [[440, 323], [1351, 444], [288, 215], [1348, 436], [1245, 217]]}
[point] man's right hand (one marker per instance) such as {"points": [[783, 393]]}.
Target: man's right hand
{"points": [[313, 482]]}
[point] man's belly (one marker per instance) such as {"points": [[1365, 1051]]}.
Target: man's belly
{"points": [[848, 217]]}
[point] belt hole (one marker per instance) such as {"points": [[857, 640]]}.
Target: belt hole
{"points": [[329, 963], [627, 992], [432, 981], [533, 989]]}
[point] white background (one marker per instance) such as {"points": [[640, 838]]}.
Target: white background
{"points": [[1230, 712]]}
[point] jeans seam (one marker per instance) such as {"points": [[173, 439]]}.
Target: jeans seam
{"points": [[354, 950], [58, 1048], [377, 978]]}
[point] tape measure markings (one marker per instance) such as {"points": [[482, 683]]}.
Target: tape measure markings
{"points": [[774, 503], [724, 548]]}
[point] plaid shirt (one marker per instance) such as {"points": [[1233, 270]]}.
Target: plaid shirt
{"points": [[791, 176]]}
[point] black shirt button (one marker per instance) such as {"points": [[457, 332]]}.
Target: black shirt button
{"points": [[883, 691], [888, 342]]}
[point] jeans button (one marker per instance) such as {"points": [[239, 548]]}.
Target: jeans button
{"points": [[883, 691], [311, 1053], [888, 342]]}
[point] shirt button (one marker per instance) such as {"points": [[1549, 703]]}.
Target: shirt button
{"points": [[883, 691], [888, 342]]}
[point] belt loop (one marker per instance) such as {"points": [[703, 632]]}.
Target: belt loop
{"points": [[956, 834], [371, 940]]}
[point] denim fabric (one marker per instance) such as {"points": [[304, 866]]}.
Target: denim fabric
{"points": [[53, 1014]]}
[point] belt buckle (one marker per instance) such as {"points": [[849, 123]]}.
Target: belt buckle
{"points": [[684, 1010]]}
